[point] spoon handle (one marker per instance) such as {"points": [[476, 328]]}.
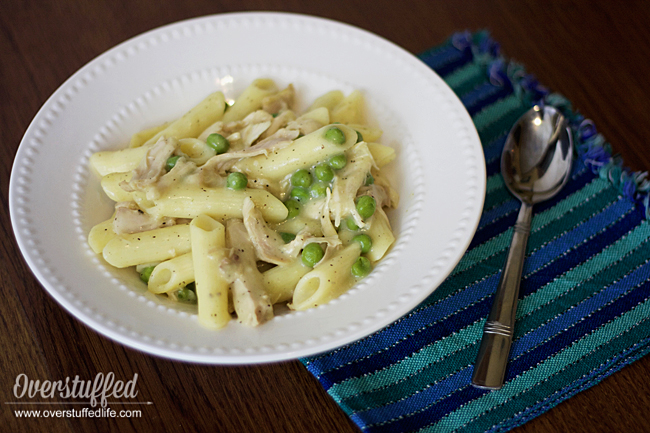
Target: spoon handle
{"points": [[490, 366]]}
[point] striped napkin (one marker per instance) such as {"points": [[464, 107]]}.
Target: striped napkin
{"points": [[584, 304]]}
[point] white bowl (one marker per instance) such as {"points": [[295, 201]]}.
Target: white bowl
{"points": [[55, 199]]}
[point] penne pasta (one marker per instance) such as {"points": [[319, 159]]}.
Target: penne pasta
{"points": [[208, 239], [303, 153], [117, 161], [381, 234], [147, 247], [141, 137], [327, 281], [100, 235], [192, 123], [172, 274], [238, 208], [350, 109], [250, 99], [281, 280], [188, 201], [111, 184]]}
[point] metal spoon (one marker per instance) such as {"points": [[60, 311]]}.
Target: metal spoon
{"points": [[535, 164]]}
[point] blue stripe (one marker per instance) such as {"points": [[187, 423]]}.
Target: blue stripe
{"points": [[431, 414], [532, 282], [359, 353], [446, 60], [485, 233], [483, 96], [579, 234], [580, 311], [422, 399], [494, 149], [500, 211], [415, 342], [434, 413]]}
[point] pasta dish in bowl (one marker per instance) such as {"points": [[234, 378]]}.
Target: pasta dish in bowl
{"points": [[154, 138], [237, 208]]}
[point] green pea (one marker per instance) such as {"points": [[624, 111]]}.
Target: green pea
{"points": [[359, 137], [318, 190], [301, 178], [145, 274], [365, 242], [287, 237], [369, 180], [312, 254], [237, 181], [300, 194], [366, 206], [293, 206], [171, 162], [186, 295], [361, 267], [218, 142], [335, 135], [324, 172], [337, 162], [351, 224]]}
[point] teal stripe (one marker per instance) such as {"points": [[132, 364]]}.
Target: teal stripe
{"points": [[570, 375], [573, 201], [407, 367], [502, 126], [573, 278], [546, 369], [496, 198], [421, 376], [465, 77], [494, 112], [472, 77], [494, 182], [592, 284], [563, 216]]}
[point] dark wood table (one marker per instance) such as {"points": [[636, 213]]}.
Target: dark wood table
{"points": [[597, 53]]}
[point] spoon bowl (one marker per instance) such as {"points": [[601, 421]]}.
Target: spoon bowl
{"points": [[535, 163], [537, 156]]}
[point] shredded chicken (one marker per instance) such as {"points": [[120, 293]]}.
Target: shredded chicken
{"points": [[152, 166], [251, 302], [280, 101], [280, 121], [267, 242], [348, 181], [129, 218], [270, 247], [279, 140]]}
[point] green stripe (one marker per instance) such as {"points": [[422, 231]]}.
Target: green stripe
{"points": [[409, 385], [493, 182], [496, 198], [465, 78], [546, 369], [425, 357], [563, 216], [572, 218], [594, 187], [502, 126], [591, 284], [574, 277], [495, 111], [421, 376], [592, 362]]}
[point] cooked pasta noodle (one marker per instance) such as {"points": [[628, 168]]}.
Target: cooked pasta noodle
{"points": [[237, 208]]}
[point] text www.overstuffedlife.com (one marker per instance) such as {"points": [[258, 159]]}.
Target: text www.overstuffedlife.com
{"points": [[102, 412]]}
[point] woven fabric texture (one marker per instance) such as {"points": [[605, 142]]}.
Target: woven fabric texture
{"points": [[585, 293]]}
